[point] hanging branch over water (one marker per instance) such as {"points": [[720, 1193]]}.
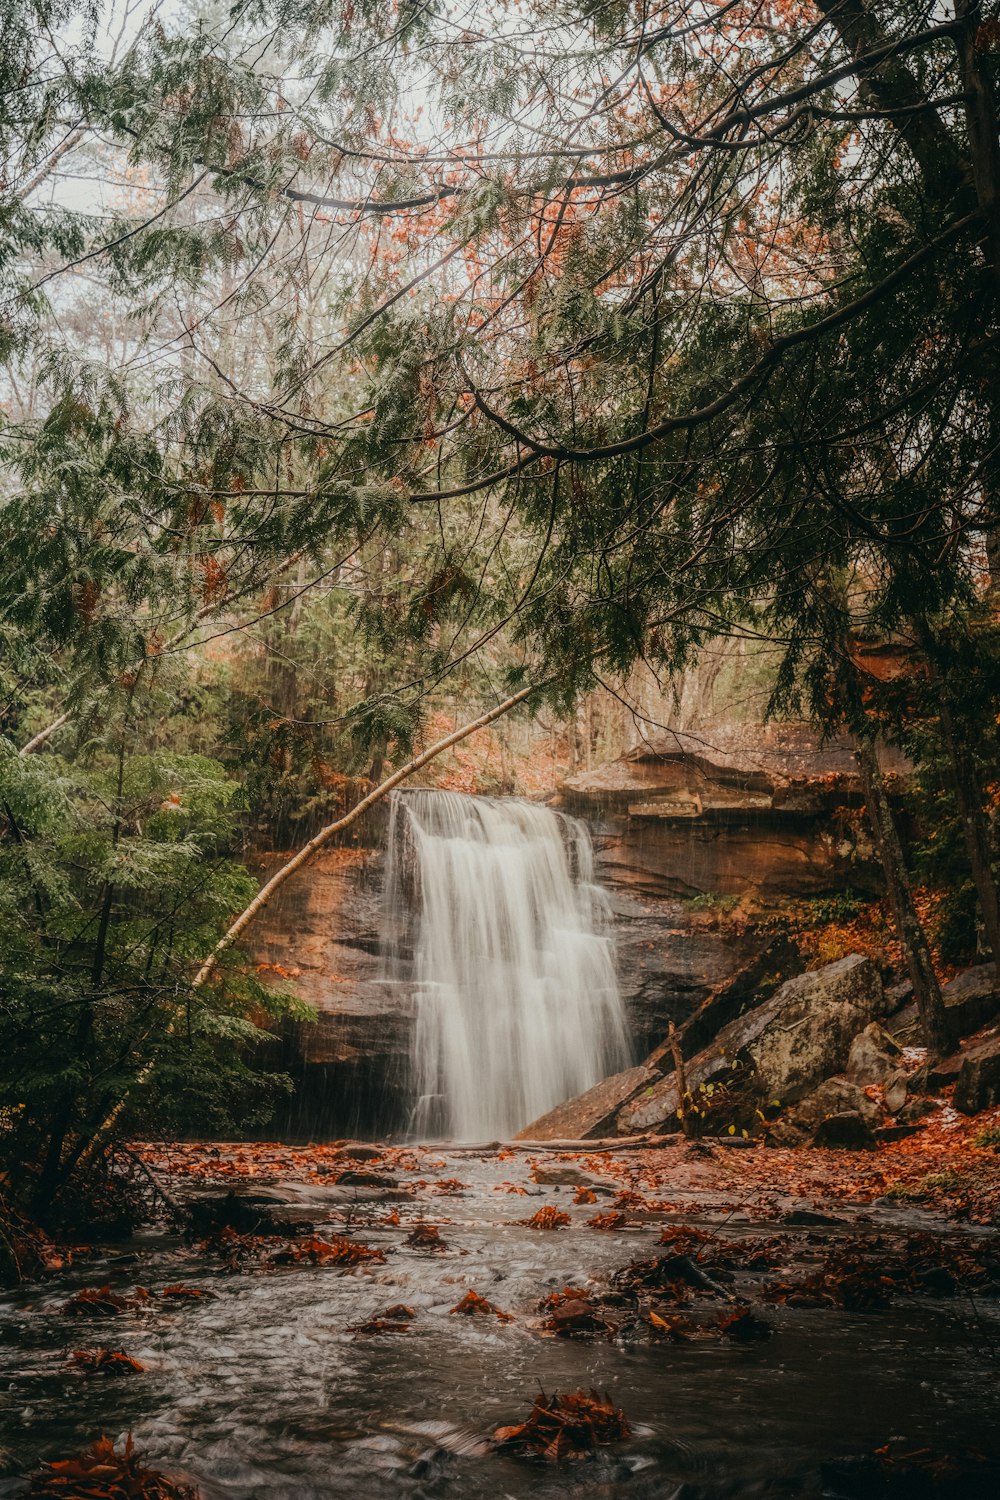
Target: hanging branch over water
{"points": [[324, 836]]}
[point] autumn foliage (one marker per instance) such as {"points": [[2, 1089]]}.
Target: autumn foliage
{"points": [[105, 1362], [548, 1218], [572, 1426], [316, 1252], [473, 1305], [102, 1473]]}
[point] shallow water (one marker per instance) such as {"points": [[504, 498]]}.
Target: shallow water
{"points": [[263, 1392]]}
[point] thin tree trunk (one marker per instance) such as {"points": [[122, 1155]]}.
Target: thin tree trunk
{"points": [[43, 734], [55, 1171], [969, 794], [267, 892], [674, 1043], [975, 829], [981, 126], [926, 989]]}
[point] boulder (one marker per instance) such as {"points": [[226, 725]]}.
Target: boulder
{"points": [[835, 1096], [916, 1108], [755, 982], [591, 1115], [971, 999], [894, 1093], [849, 1131], [792, 1043], [874, 1056], [810, 1023], [978, 1083]]}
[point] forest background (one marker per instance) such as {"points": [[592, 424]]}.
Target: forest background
{"points": [[369, 371]]}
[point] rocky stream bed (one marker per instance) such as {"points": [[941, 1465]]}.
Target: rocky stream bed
{"points": [[768, 1323]]}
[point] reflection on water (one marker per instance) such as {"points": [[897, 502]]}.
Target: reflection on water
{"points": [[263, 1393]]}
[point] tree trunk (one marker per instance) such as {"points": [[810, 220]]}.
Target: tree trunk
{"points": [[981, 125], [926, 989], [969, 795], [894, 88], [975, 829]]}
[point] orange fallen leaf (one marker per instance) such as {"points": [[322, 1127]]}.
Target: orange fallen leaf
{"points": [[473, 1305], [548, 1218]]}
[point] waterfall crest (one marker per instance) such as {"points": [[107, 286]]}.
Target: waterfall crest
{"points": [[518, 1006]]}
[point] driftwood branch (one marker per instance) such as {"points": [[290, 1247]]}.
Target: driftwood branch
{"points": [[324, 836]]}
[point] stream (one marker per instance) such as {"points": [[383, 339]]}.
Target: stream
{"points": [[263, 1392]]}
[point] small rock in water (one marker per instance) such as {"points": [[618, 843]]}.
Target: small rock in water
{"points": [[352, 1178], [846, 1132], [568, 1176], [809, 1216]]}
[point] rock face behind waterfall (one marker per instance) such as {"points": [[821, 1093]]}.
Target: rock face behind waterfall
{"points": [[319, 940], [712, 815]]}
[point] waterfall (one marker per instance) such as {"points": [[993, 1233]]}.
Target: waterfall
{"points": [[510, 957]]}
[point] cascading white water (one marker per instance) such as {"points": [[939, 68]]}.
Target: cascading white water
{"points": [[518, 1006]]}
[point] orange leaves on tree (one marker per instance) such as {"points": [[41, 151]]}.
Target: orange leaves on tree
{"points": [[214, 582], [472, 1305], [572, 1426], [85, 597], [102, 1473]]}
